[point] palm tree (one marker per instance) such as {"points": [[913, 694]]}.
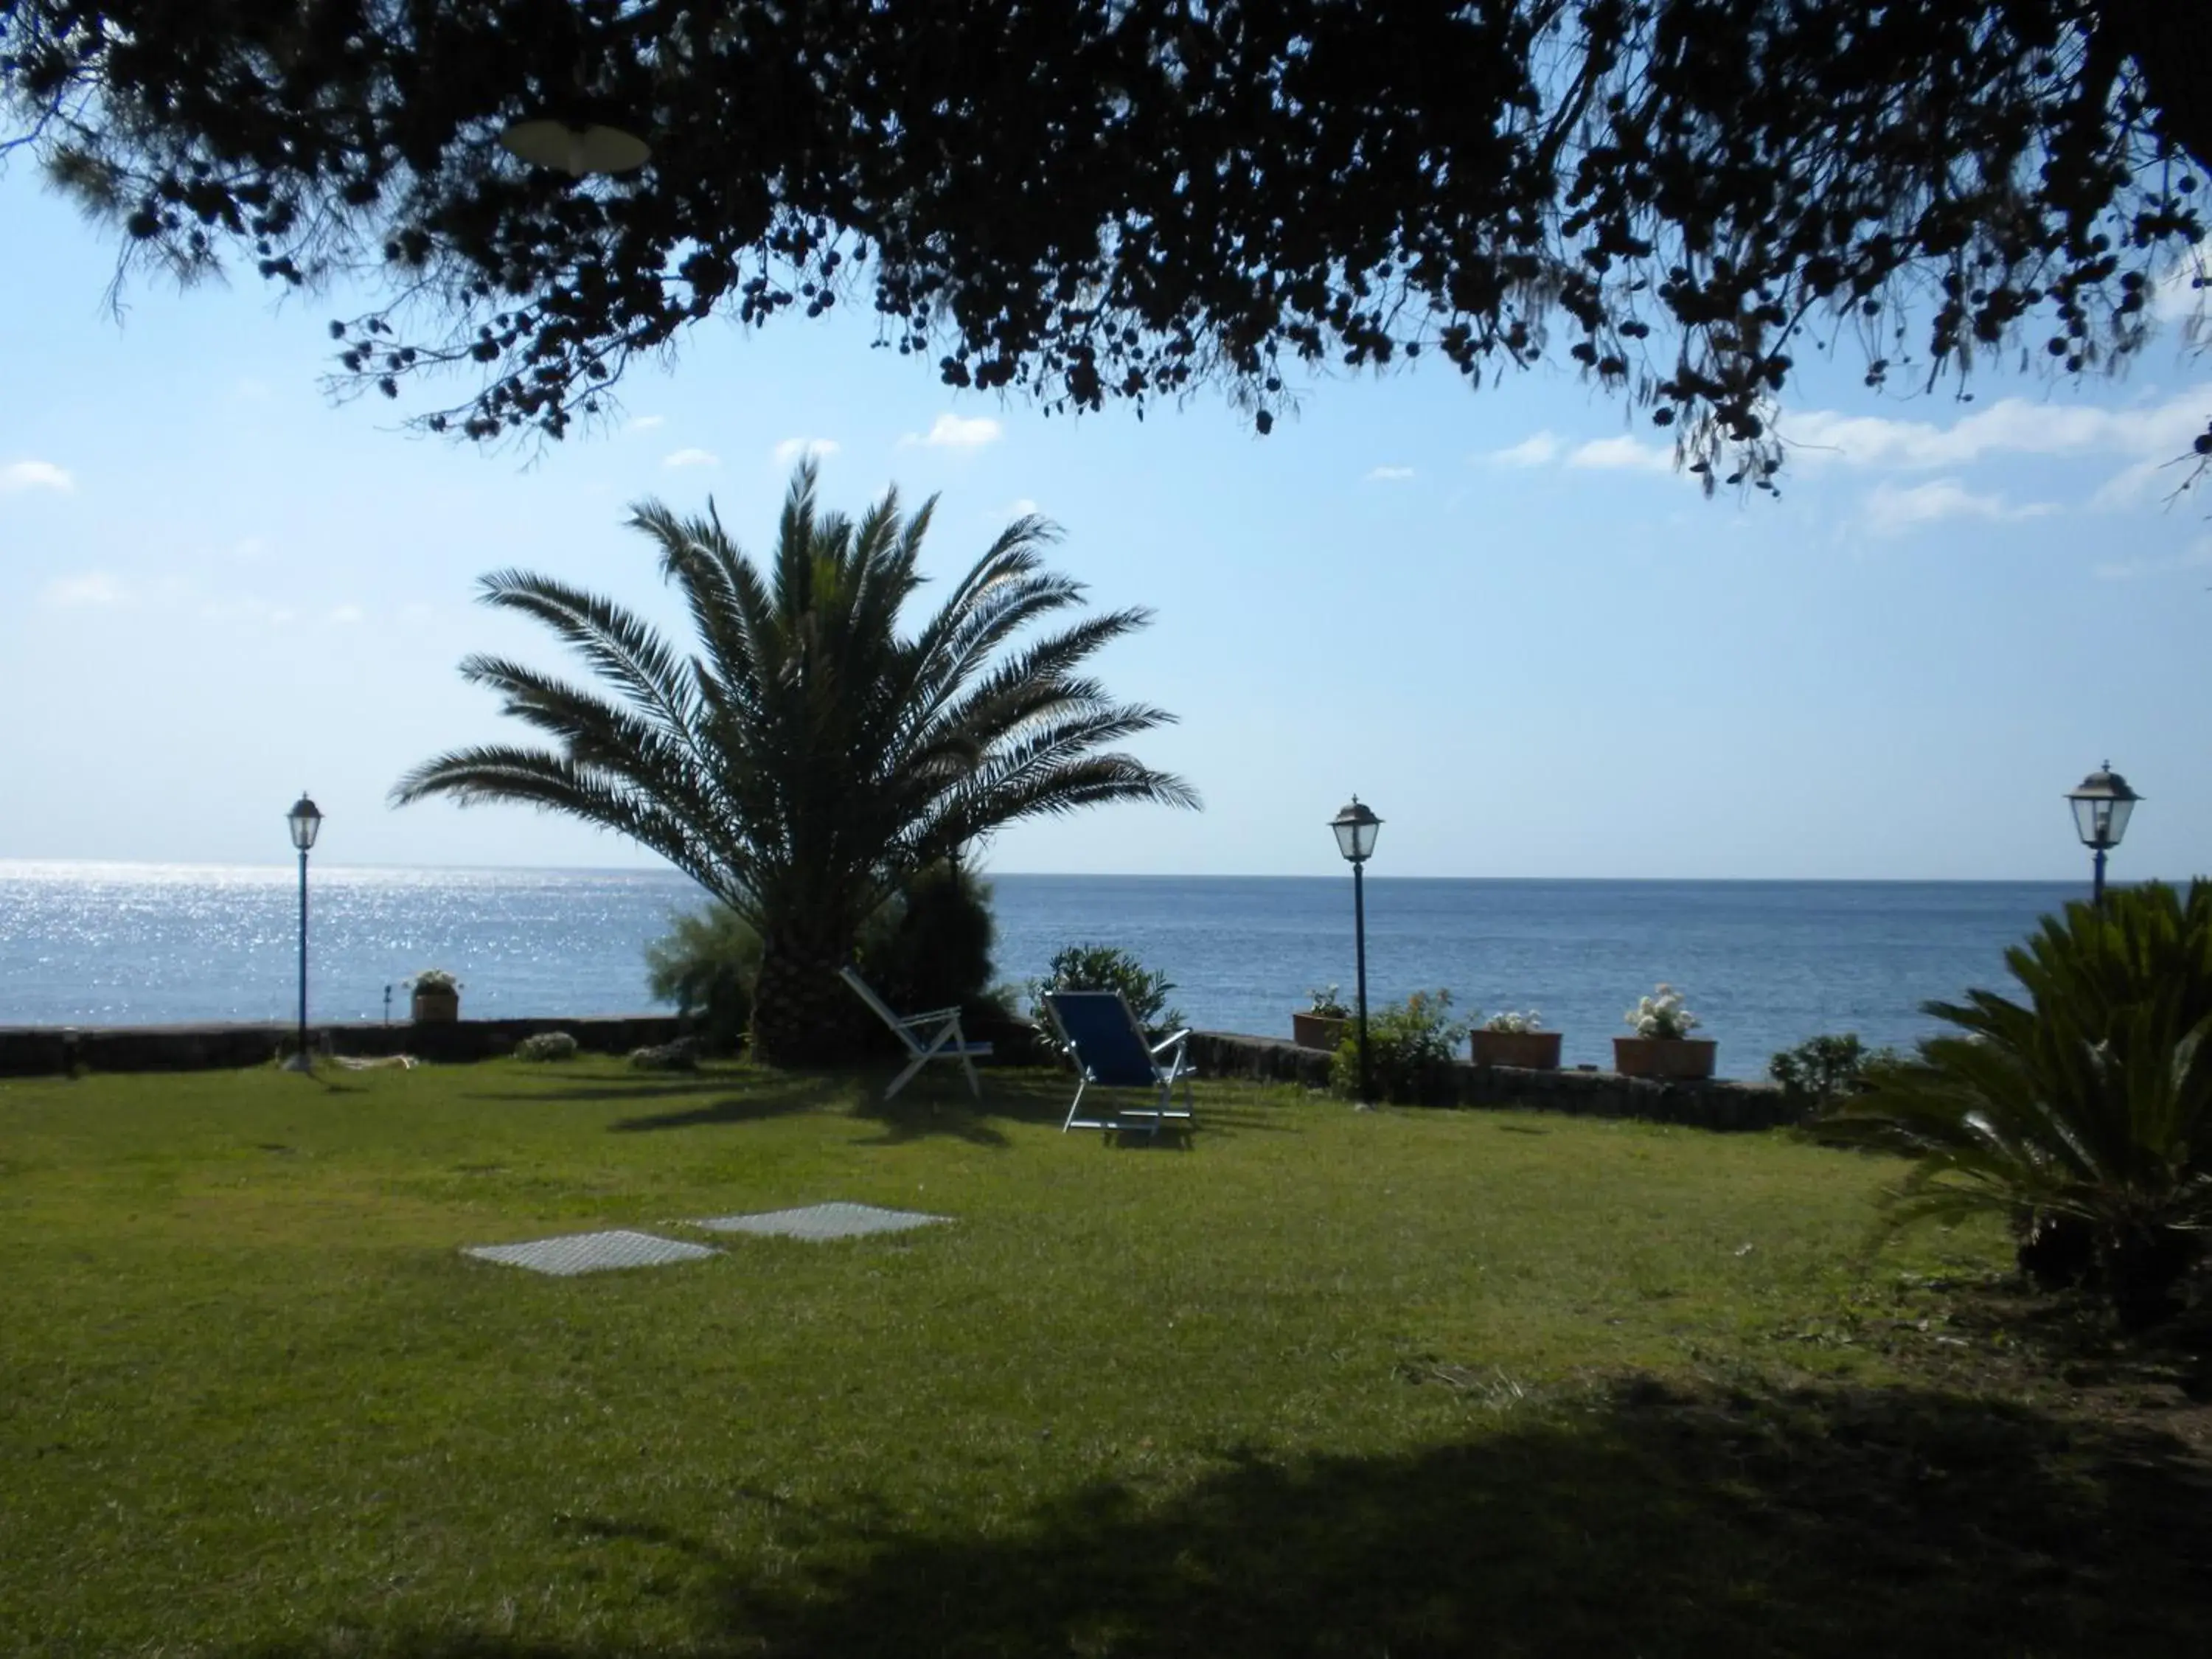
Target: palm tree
{"points": [[808, 758], [2082, 1115]]}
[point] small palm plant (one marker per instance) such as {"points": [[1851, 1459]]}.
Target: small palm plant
{"points": [[2084, 1115]]}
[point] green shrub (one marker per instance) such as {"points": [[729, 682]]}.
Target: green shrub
{"points": [[2083, 1115], [706, 965], [546, 1045], [1410, 1046], [1820, 1068], [680, 1055], [1107, 968], [930, 946]]}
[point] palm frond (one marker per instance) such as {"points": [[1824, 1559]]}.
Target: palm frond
{"points": [[807, 754], [2093, 1099], [499, 774], [615, 641]]}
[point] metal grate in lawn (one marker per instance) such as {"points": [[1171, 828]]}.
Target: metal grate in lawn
{"points": [[591, 1253], [819, 1222]]}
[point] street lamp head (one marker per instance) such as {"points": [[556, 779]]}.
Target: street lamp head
{"points": [[576, 148], [305, 820], [2101, 806], [1355, 826]]}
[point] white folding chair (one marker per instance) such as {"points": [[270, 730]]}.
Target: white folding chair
{"points": [[933, 1035]]}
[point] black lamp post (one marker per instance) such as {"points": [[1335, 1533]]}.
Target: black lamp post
{"points": [[304, 820], [2101, 806], [1355, 826]]}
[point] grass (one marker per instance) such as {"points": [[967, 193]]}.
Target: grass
{"points": [[1322, 1383]]}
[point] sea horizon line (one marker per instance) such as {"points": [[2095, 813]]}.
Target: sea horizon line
{"points": [[21, 866]]}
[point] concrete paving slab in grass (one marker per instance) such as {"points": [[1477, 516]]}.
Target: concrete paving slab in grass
{"points": [[591, 1253], [819, 1222]]}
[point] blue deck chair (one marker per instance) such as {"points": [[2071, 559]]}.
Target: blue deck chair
{"points": [[933, 1035], [1109, 1050]]}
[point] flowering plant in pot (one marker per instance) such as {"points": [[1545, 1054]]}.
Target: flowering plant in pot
{"points": [[1511, 1038], [437, 996], [1322, 1024], [1662, 1046]]}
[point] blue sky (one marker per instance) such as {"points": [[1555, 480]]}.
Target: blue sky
{"points": [[1497, 614]]}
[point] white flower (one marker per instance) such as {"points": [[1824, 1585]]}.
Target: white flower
{"points": [[1662, 1015]]}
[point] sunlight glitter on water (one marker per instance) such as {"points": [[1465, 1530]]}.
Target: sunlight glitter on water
{"points": [[1766, 964]]}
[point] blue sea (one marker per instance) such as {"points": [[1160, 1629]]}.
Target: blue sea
{"points": [[1764, 964]]}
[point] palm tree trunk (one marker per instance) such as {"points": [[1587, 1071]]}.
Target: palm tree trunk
{"points": [[803, 1013]]}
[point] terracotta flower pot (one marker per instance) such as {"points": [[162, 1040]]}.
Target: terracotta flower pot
{"points": [[1532, 1051], [1680, 1059], [436, 1006], [1321, 1031]]}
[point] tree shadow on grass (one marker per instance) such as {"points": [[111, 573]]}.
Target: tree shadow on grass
{"points": [[2076, 1337], [1838, 1522], [938, 1103], [934, 1103], [656, 1089], [1639, 1519], [787, 1097], [902, 1122], [1040, 1096]]}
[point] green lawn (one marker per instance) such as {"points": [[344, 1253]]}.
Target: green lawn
{"points": [[1320, 1383]]}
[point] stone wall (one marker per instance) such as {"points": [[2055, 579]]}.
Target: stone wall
{"points": [[32, 1050], [1718, 1104], [29, 1050]]}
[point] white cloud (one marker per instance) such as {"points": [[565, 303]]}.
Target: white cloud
{"points": [[956, 431], [177, 595], [1020, 508], [34, 475], [94, 588], [691, 458], [2194, 558], [2013, 426], [1530, 451], [1892, 511], [644, 422], [790, 450], [2144, 483], [1623, 453], [1389, 474]]}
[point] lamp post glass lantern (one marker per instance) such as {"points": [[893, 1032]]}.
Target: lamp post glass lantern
{"points": [[1356, 825], [2101, 804], [305, 821]]}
